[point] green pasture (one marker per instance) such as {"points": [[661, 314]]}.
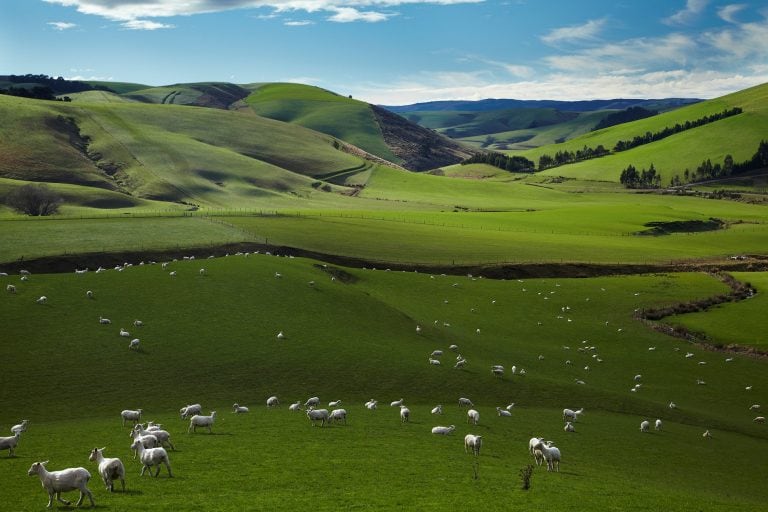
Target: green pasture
{"points": [[350, 120], [210, 338], [742, 323]]}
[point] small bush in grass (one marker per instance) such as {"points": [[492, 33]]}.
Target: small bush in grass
{"points": [[526, 474]]}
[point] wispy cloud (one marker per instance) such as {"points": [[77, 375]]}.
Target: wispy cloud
{"points": [[144, 25], [342, 11], [298, 23], [586, 31], [728, 12], [685, 16], [350, 14], [62, 25]]}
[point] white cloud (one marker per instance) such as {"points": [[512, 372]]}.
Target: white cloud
{"points": [[350, 14], [728, 12], [342, 10], [61, 25], [685, 16], [587, 31], [298, 23], [144, 25]]}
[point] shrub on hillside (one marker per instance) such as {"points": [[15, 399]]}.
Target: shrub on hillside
{"points": [[35, 200]]}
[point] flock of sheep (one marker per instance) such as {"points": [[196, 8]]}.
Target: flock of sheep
{"points": [[149, 442]]}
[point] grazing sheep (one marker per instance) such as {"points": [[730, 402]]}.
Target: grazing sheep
{"points": [[42, 300], [569, 427], [110, 469], [134, 344], [436, 353], [503, 412], [201, 421], [371, 404], [10, 443], [759, 419], [21, 427], [473, 416], [465, 402], [202, 271], [56, 482], [318, 414], [335, 403], [510, 407], [190, 410], [754, 407], [124, 333], [163, 437], [405, 414], [454, 347], [570, 415], [434, 362], [338, 415], [172, 274], [672, 405], [638, 377], [397, 403], [239, 409], [706, 435], [10, 288], [657, 425], [551, 454], [473, 443], [312, 402], [461, 363], [438, 409], [280, 335], [138, 323], [418, 329], [295, 406], [104, 321], [130, 415], [443, 431], [152, 457], [89, 294], [645, 425], [499, 372], [273, 401], [147, 441], [538, 457]]}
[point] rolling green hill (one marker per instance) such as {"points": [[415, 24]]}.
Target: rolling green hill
{"points": [[205, 94], [738, 136]]}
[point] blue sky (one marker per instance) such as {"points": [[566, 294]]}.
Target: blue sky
{"points": [[400, 51]]}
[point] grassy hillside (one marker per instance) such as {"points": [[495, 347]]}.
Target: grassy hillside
{"points": [[348, 119], [220, 347], [738, 136], [204, 94], [118, 87]]}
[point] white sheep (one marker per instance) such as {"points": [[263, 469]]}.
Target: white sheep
{"points": [[147, 441], [465, 402], [318, 415], [21, 427], [124, 333], [199, 420], [137, 323], [534, 451], [672, 405], [569, 427], [190, 410], [104, 321], [163, 437], [338, 415], [239, 409], [405, 414], [152, 457], [473, 443], [56, 482], [295, 406], [551, 454], [434, 362], [42, 300], [657, 424], [754, 407], [312, 402], [110, 469], [645, 425], [131, 415], [436, 353], [10, 443], [473, 416], [438, 409], [10, 288], [280, 335], [443, 431], [334, 403], [202, 271], [510, 407], [273, 401], [503, 412], [89, 294], [571, 415], [397, 403], [454, 347], [134, 344], [499, 372], [371, 404], [759, 419], [707, 434]]}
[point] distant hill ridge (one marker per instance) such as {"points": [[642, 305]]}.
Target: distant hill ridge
{"points": [[569, 106]]}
